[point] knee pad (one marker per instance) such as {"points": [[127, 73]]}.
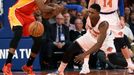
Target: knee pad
{"points": [[120, 42]]}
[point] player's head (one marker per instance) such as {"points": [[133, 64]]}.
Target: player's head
{"points": [[96, 7], [94, 12]]}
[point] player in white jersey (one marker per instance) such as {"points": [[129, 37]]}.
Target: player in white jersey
{"points": [[109, 13], [89, 42]]}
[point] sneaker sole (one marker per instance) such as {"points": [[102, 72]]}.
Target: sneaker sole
{"points": [[83, 73], [5, 74], [26, 72]]}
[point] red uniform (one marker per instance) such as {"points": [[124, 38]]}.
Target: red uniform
{"points": [[21, 14]]}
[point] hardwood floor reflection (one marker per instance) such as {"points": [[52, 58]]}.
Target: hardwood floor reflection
{"points": [[93, 72]]}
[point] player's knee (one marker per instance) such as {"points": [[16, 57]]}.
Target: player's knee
{"points": [[18, 30], [35, 49], [36, 44]]}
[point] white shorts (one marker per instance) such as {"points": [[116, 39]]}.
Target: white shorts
{"points": [[108, 44], [86, 41]]}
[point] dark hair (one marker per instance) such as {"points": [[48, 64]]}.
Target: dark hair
{"points": [[96, 7]]}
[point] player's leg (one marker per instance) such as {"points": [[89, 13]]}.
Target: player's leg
{"points": [[13, 45], [73, 50], [85, 66], [34, 51], [126, 53]]}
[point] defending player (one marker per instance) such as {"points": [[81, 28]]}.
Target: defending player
{"points": [[89, 42], [116, 23]]}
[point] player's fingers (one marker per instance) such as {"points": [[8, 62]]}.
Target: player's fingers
{"points": [[77, 60], [81, 62]]}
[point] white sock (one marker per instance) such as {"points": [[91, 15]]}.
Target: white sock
{"points": [[62, 67], [129, 61], [85, 64]]}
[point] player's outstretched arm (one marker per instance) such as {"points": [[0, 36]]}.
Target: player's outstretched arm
{"points": [[103, 27], [43, 6]]}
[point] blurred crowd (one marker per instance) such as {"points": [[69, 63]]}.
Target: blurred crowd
{"points": [[70, 24]]}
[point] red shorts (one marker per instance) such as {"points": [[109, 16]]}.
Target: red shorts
{"points": [[20, 14], [20, 19]]}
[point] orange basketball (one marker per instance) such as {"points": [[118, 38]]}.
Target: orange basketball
{"points": [[36, 29]]}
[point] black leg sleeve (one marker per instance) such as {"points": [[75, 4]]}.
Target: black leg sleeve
{"points": [[17, 36], [73, 50], [36, 44]]}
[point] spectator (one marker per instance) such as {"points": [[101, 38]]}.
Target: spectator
{"points": [[73, 16], [76, 9], [74, 34], [131, 21], [67, 21], [132, 5], [127, 14], [112, 59], [82, 17], [58, 36]]}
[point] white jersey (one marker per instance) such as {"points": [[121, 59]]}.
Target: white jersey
{"points": [[108, 5], [114, 23], [90, 38], [112, 18]]}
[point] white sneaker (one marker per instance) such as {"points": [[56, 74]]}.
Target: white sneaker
{"points": [[130, 71], [85, 70], [130, 66], [56, 73]]}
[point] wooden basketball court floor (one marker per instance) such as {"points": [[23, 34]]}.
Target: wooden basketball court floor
{"points": [[93, 72]]}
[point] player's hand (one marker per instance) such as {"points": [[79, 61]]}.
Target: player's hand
{"points": [[80, 58], [122, 22]]}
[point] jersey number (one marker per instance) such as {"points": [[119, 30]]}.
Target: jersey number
{"points": [[109, 3]]}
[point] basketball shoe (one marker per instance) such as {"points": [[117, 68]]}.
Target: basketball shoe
{"points": [[56, 73], [7, 69], [130, 71], [130, 68], [85, 69], [28, 70]]}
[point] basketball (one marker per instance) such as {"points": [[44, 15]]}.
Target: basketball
{"points": [[36, 29]]}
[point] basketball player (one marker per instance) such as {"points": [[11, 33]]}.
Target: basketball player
{"points": [[20, 17], [116, 23], [89, 42]]}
